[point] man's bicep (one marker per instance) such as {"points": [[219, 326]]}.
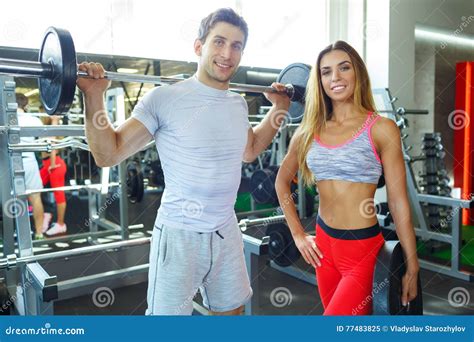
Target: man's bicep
{"points": [[132, 136]]}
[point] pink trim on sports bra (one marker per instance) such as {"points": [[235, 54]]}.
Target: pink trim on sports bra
{"points": [[365, 126], [372, 141], [348, 141]]}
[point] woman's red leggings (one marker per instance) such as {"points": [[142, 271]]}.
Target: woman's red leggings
{"points": [[55, 178], [346, 273]]}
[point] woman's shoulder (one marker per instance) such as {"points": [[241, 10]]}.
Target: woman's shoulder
{"points": [[383, 123], [384, 127]]}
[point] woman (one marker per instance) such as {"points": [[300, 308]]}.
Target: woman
{"points": [[54, 172], [341, 145]]}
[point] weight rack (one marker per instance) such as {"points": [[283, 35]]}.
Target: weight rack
{"points": [[33, 287]]}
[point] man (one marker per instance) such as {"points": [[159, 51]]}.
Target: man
{"points": [[30, 165], [202, 134]]}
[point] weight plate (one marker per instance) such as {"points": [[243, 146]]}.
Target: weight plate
{"points": [[57, 91], [296, 74], [262, 185], [282, 249]]}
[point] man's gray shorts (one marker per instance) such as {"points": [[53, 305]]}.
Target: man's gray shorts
{"points": [[32, 174], [181, 262]]}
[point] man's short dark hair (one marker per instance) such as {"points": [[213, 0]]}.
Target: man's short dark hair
{"points": [[21, 100], [227, 15]]}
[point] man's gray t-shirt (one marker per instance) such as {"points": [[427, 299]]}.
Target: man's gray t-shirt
{"points": [[200, 133]]}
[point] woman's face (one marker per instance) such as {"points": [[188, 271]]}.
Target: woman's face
{"points": [[337, 75]]}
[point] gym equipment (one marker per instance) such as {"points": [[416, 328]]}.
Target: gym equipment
{"points": [[381, 182], [135, 186], [418, 200], [57, 72], [389, 270], [282, 249], [57, 91], [434, 179], [262, 185], [11, 261], [156, 175], [297, 74]]}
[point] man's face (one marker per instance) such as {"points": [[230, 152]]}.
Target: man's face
{"points": [[220, 54]]}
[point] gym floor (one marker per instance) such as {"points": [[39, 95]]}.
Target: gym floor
{"points": [[303, 297]]}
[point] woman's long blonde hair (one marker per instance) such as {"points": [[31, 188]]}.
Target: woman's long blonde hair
{"points": [[318, 105]]}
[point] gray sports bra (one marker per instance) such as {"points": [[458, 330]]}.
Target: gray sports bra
{"points": [[355, 160]]}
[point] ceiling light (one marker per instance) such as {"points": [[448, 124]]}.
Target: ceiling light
{"points": [[444, 36]]}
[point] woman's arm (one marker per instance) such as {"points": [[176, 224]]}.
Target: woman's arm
{"points": [[387, 137], [286, 173]]}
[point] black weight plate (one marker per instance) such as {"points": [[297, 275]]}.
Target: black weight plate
{"points": [[262, 186], [282, 249], [57, 91], [296, 74], [387, 285]]}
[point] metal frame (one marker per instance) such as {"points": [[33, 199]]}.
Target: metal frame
{"points": [[38, 287], [417, 198]]}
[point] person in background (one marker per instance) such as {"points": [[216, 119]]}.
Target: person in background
{"points": [[30, 165], [53, 172]]}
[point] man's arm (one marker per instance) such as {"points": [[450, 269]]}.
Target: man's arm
{"points": [[261, 136], [108, 145]]}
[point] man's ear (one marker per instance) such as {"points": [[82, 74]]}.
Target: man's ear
{"points": [[198, 47]]}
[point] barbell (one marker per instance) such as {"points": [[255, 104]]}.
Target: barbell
{"points": [[56, 70]]}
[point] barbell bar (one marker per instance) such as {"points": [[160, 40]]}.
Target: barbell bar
{"points": [[57, 72], [30, 69], [11, 261]]}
